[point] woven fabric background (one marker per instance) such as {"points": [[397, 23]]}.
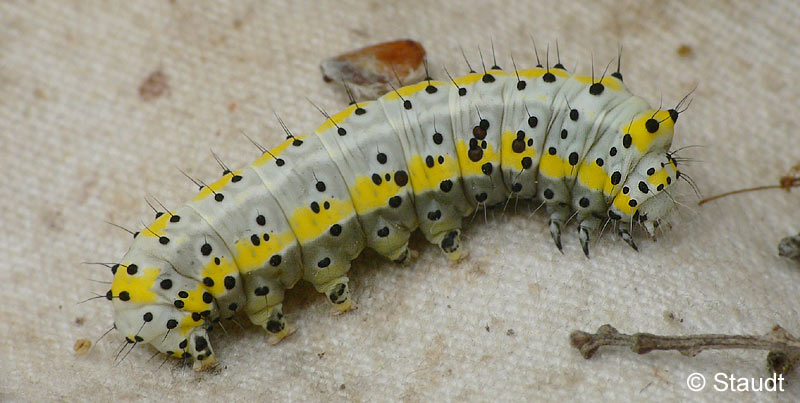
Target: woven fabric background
{"points": [[80, 145]]}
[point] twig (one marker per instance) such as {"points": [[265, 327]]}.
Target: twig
{"points": [[784, 349], [786, 182]]}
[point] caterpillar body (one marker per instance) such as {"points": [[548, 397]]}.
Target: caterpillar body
{"points": [[423, 156]]}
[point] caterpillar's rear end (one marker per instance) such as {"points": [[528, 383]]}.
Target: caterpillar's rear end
{"points": [[422, 157]]}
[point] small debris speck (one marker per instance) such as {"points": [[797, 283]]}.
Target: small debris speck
{"points": [[82, 346]]}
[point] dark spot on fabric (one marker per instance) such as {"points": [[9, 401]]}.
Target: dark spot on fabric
{"points": [[548, 194], [172, 324], [175, 218], [326, 205], [205, 249], [407, 104], [643, 187], [564, 133], [261, 291], [549, 77], [178, 304], [440, 160], [627, 140], [521, 85], [431, 89], [437, 138], [320, 186], [163, 240], [527, 162], [208, 281], [315, 207], [376, 179], [261, 220], [625, 190], [166, 284], [229, 282], [487, 78], [481, 197], [583, 202], [533, 121], [632, 203], [401, 178], [614, 216], [516, 188], [336, 229], [132, 269], [596, 89], [552, 151], [487, 168], [124, 296], [613, 151], [280, 162], [429, 161], [324, 263], [599, 162], [382, 158], [383, 232], [395, 201], [255, 240], [462, 91], [651, 171]]}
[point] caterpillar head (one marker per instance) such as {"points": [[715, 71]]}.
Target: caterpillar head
{"points": [[171, 331], [643, 197]]}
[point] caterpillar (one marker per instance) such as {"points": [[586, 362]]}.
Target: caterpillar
{"points": [[423, 156]]}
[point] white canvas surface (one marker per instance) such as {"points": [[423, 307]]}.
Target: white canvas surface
{"points": [[79, 146]]}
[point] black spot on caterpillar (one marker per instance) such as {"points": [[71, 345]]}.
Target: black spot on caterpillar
{"points": [[583, 145]]}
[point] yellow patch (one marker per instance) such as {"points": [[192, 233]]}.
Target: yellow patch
{"points": [[250, 257], [217, 272], [554, 167], [472, 168], [308, 225], [609, 82], [275, 152], [643, 139], [156, 229], [660, 177], [472, 78], [510, 158], [424, 179], [539, 71], [593, 177], [409, 90], [338, 118], [187, 324], [138, 286], [194, 302], [368, 196], [215, 187], [621, 203]]}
